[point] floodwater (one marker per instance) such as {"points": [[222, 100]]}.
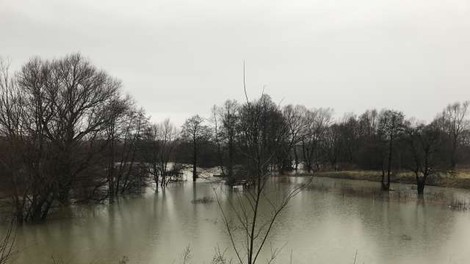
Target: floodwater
{"points": [[331, 221]]}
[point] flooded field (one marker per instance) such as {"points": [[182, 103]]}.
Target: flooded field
{"points": [[331, 221]]}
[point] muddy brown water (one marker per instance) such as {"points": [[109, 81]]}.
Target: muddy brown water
{"points": [[331, 221]]}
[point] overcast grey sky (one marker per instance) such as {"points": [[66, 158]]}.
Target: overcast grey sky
{"points": [[180, 57]]}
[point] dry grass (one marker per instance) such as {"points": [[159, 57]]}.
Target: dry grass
{"points": [[459, 179], [464, 174]]}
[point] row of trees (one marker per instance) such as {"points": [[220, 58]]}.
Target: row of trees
{"points": [[383, 140], [68, 134]]}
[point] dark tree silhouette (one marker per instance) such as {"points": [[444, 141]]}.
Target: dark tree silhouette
{"points": [[263, 131], [424, 142], [195, 131], [453, 121], [390, 126], [53, 115]]}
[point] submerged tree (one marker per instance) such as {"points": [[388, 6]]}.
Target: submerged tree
{"points": [[196, 132], [227, 118], [297, 125], [52, 116], [160, 143], [125, 172], [263, 131], [424, 142]]}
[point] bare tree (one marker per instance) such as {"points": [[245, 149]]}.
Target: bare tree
{"points": [[53, 116], [332, 145], [230, 122], [317, 122], [168, 139], [225, 121], [349, 137], [390, 126], [195, 131], [368, 123], [262, 131], [125, 172], [217, 136], [151, 151], [25, 159], [113, 133], [297, 125], [424, 142], [161, 142], [453, 121]]}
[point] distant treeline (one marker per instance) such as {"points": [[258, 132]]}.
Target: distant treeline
{"points": [[381, 140], [68, 134]]}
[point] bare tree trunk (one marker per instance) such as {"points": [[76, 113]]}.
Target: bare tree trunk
{"points": [[230, 158], [194, 160], [386, 187], [382, 182], [421, 183], [296, 159], [453, 155]]}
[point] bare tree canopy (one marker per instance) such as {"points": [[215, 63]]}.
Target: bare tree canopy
{"points": [[195, 131], [54, 114], [454, 122]]}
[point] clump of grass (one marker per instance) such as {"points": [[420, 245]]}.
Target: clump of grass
{"points": [[353, 175], [459, 179], [203, 200]]}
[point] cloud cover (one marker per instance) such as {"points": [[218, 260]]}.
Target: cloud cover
{"points": [[179, 57]]}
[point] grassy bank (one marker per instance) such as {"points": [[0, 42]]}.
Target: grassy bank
{"points": [[460, 179]]}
